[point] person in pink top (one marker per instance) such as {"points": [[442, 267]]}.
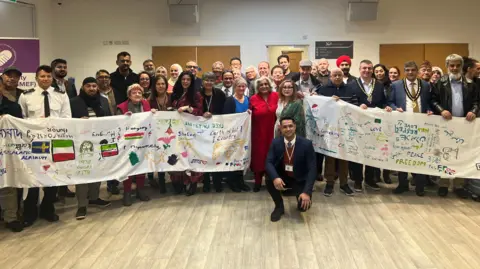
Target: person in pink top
{"points": [[263, 106]]}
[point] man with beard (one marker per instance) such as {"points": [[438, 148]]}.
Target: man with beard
{"points": [[410, 95], [11, 76], [284, 61], [263, 69], [454, 96], [218, 68], [193, 68], [123, 77], [89, 104], [344, 62], [60, 71], [426, 71], [323, 73], [251, 74], [370, 94], [149, 67]]}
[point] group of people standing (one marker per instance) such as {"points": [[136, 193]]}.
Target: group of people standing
{"points": [[273, 97]]}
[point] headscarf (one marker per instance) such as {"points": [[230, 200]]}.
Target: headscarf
{"points": [[171, 81]]}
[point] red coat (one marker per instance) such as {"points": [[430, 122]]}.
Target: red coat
{"points": [[263, 127]]}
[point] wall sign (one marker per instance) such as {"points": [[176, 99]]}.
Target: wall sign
{"points": [[333, 49]]}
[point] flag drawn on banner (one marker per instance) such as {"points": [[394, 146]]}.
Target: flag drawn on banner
{"points": [[63, 150], [133, 136], [41, 147], [109, 150]]}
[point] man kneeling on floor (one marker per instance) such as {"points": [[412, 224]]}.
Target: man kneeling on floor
{"points": [[290, 164]]}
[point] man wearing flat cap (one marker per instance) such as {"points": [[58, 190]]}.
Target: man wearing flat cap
{"points": [[344, 62], [11, 76], [306, 82]]}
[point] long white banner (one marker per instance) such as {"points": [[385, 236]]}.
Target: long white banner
{"points": [[53, 152], [397, 141]]}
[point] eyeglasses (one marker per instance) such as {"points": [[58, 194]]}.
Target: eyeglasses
{"points": [[103, 77], [192, 66], [288, 87]]}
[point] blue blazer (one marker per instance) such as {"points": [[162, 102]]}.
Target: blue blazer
{"points": [[398, 96], [378, 95], [304, 161]]}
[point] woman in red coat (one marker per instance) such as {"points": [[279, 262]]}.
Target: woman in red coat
{"points": [[263, 106]]}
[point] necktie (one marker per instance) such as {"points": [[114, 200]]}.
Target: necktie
{"points": [[415, 102], [46, 104], [227, 91], [289, 145]]}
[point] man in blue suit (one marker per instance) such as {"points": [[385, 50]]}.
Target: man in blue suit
{"points": [[290, 164], [411, 95]]}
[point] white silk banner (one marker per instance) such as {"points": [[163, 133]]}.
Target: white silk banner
{"points": [[53, 152], [396, 141]]}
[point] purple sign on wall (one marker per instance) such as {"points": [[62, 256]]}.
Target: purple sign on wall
{"points": [[24, 54]]}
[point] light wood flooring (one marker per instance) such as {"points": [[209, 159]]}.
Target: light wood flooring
{"points": [[233, 230]]}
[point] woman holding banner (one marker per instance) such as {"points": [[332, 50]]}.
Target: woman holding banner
{"points": [[185, 99], [135, 104], [263, 106]]}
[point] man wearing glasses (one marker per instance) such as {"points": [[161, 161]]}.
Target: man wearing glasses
{"points": [[122, 77], [193, 68]]}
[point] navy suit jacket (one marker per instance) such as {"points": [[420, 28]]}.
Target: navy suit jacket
{"points": [[398, 96], [304, 161], [378, 95]]}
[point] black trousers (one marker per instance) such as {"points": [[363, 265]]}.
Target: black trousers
{"points": [[420, 180], [216, 178], [357, 170], [320, 158], [46, 207], [296, 186]]}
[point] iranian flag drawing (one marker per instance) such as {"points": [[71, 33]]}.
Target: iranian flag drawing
{"points": [[63, 150]]}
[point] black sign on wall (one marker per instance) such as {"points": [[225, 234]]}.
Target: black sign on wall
{"points": [[333, 49]]}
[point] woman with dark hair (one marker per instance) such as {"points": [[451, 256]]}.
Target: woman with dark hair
{"points": [[185, 99], [263, 106], [381, 73], [213, 102], [160, 101], [290, 106], [145, 81]]}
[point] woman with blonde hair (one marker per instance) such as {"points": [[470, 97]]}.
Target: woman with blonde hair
{"points": [[290, 106], [175, 70], [161, 70]]}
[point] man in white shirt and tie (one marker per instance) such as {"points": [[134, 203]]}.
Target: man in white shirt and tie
{"points": [[410, 95], [43, 101], [227, 87]]}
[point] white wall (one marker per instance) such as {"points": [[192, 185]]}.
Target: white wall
{"points": [[80, 27]]}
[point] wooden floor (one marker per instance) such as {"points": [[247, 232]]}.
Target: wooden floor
{"points": [[231, 230]]}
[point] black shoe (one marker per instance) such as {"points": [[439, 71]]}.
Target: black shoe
{"points": [[257, 187], [400, 190], [14, 226], [153, 183], [462, 193], [277, 214], [141, 195], [372, 185], [219, 189], [358, 187], [442, 191], [161, 185], [127, 199], [81, 213], [328, 190], [68, 193], [244, 187], [234, 187], [320, 178], [420, 193], [376, 175], [192, 189], [206, 187], [178, 187], [346, 189], [412, 182], [386, 177], [51, 217], [113, 190], [99, 202]]}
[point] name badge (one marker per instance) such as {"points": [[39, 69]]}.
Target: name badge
{"points": [[289, 168]]}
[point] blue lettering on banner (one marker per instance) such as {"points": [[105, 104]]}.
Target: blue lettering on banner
{"points": [[10, 133], [28, 158]]}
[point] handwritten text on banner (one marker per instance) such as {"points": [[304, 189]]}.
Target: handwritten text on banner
{"points": [[52, 152], [397, 141]]}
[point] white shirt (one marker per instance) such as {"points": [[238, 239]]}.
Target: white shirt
{"points": [[32, 103], [409, 104], [367, 87], [228, 91], [293, 141]]}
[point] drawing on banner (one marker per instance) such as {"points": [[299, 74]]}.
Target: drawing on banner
{"points": [[172, 159], [134, 136], [109, 150], [86, 148], [41, 147], [227, 148], [133, 157], [63, 150]]}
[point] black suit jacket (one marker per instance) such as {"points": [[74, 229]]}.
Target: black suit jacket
{"points": [[217, 101], [79, 107], [442, 96], [304, 161], [8, 107], [378, 96], [69, 85]]}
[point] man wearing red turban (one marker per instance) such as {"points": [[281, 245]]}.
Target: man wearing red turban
{"points": [[344, 62]]}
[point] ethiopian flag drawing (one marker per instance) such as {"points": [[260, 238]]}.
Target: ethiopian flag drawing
{"points": [[63, 150], [132, 136]]}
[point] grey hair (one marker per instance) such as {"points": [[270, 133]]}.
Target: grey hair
{"points": [[336, 69], [454, 58], [239, 81], [253, 67], [257, 82], [218, 63], [208, 75]]}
